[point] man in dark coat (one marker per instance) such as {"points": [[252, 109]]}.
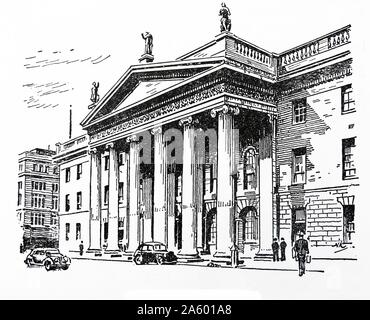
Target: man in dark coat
{"points": [[81, 248], [282, 249], [275, 250], [301, 250]]}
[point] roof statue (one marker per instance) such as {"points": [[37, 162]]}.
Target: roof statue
{"points": [[94, 94], [148, 52], [225, 20]]}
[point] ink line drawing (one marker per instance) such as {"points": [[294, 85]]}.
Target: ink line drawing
{"points": [[230, 156]]}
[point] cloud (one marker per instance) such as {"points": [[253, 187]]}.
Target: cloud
{"points": [[36, 93], [44, 59]]}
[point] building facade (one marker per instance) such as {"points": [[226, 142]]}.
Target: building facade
{"points": [[38, 198], [72, 159], [229, 144]]}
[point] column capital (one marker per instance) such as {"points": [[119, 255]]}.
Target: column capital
{"points": [[272, 117], [188, 121], [93, 150], [225, 110], [156, 130], [133, 138], [109, 145]]}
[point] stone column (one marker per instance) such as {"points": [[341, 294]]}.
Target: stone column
{"points": [[226, 168], [170, 192], [266, 195], [189, 250], [95, 201], [160, 173], [113, 182], [200, 154], [147, 207], [134, 188]]}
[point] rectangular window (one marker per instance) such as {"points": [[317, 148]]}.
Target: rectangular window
{"points": [[54, 203], [79, 200], [79, 171], [67, 203], [68, 174], [120, 191], [78, 231], [67, 231], [106, 163], [299, 110], [299, 165], [349, 169], [120, 159], [20, 167], [34, 167], [348, 103], [106, 194], [41, 168]]}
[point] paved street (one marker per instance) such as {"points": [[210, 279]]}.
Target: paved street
{"points": [[88, 279]]}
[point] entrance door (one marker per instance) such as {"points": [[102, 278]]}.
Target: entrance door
{"points": [[348, 222], [298, 222], [210, 230]]}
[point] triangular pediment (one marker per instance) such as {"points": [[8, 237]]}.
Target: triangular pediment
{"points": [[142, 82], [145, 90]]}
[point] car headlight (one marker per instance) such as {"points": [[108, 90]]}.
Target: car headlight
{"points": [[56, 260], [65, 259]]}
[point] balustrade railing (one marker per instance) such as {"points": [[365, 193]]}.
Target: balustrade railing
{"points": [[252, 53], [320, 45]]}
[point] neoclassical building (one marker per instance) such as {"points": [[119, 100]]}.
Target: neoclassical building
{"points": [[229, 144]]}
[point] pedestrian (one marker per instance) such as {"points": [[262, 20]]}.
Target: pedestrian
{"points": [[282, 249], [301, 251], [81, 248], [275, 250]]}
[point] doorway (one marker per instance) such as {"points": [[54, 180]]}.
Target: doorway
{"points": [[298, 222]]}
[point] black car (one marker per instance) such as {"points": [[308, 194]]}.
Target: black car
{"points": [[50, 258], [155, 252]]}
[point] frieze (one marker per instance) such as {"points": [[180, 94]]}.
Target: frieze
{"points": [[169, 108]]}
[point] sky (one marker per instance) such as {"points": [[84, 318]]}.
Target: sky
{"points": [[59, 48], [52, 51]]}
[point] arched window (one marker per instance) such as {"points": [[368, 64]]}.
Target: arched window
{"points": [[249, 226], [249, 169]]}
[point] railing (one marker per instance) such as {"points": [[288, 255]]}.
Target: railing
{"points": [[338, 38], [312, 48], [75, 143], [251, 52]]}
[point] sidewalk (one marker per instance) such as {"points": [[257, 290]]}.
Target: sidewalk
{"points": [[248, 263]]}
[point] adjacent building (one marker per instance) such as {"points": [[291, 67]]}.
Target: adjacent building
{"points": [[230, 144], [38, 198], [74, 167]]}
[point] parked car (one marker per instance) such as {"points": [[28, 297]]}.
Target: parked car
{"points": [[50, 258], [155, 252]]}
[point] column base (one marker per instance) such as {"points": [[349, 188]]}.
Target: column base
{"points": [[263, 255], [96, 252], [221, 257], [113, 253], [188, 257]]}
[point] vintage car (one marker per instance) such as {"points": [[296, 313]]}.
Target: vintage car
{"points": [[155, 252], [50, 258]]}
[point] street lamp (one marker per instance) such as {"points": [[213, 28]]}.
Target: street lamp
{"points": [[234, 249]]}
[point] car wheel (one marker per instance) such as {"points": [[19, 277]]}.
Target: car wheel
{"points": [[65, 267], [48, 265], [138, 259], [28, 262], [160, 260]]}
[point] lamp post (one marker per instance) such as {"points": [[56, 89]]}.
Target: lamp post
{"points": [[234, 249]]}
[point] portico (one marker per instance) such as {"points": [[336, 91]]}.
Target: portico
{"points": [[183, 128]]}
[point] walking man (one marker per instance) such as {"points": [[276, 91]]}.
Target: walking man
{"points": [[81, 248], [301, 250], [275, 250], [282, 249]]}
